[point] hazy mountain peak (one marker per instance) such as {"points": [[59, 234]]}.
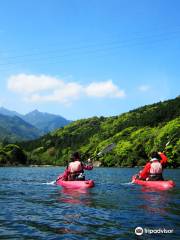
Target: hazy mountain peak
{"points": [[46, 122], [35, 111], [43, 121]]}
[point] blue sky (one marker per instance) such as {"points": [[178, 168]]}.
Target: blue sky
{"points": [[81, 58]]}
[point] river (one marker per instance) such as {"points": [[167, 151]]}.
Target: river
{"points": [[31, 207]]}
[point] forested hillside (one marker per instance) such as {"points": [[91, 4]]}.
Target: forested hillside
{"points": [[154, 127], [12, 155]]}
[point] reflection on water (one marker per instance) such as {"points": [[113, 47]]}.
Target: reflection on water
{"points": [[155, 201], [75, 196]]}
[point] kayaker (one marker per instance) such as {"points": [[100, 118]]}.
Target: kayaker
{"points": [[154, 168], [75, 169]]}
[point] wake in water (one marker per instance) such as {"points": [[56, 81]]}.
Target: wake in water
{"points": [[128, 183], [53, 182], [49, 183]]}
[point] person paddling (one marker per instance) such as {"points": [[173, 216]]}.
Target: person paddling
{"points": [[75, 169], [154, 168]]}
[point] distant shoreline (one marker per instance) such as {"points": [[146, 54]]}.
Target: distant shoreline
{"points": [[46, 165]]}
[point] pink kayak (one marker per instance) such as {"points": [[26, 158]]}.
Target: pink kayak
{"points": [[160, 185], [76, 184]]}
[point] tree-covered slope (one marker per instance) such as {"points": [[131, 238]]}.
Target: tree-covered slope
{"points": [[12, 154], [135, 133], [15, 129]]}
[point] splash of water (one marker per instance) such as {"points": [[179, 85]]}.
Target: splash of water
{"points": [[50, 183]]}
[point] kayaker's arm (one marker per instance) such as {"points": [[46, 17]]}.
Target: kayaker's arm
{"points": [[88, 167], [145, 172], [164, 159], [64, 176]]}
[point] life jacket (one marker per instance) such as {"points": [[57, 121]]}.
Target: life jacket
{"points": [[156, 168], [75, 168]]}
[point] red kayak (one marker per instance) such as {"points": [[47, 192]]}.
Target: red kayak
{"points": [[76, 184], [160, 185]]}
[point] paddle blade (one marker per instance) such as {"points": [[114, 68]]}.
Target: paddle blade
{"points": [[107, 149]]}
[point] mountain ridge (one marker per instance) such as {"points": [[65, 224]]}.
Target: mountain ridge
{"points": [[14, 128], [7, 112], [44, 122]]}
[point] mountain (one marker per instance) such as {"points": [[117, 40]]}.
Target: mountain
{"points": [[13, 128], [46, 122], [154, 127], [10, 113]]}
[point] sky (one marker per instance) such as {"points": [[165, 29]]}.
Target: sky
{"points": [[81, 58]]}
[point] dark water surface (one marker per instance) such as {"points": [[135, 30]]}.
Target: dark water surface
{"points": [[32, 208]]}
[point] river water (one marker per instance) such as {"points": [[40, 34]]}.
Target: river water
{"points": [[31, 207]]}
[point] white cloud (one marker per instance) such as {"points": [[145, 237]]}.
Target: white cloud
{"points": [[65, 94], [144, 88], [42, 88], [104, 89], [24, 83]]}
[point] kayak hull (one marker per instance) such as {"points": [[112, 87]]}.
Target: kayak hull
{"points": [[161, 185], [76, 184]]}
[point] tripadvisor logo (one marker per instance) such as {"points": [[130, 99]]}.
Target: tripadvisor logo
{"points": [[139, 231]]}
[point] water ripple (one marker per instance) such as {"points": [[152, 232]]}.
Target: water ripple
{"points": [[33, 208]]}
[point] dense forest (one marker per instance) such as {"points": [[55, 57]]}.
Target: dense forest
{"points": [[136, 133], [12, 155]]}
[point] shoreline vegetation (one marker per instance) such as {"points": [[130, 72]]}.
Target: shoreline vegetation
{"points": [[136, 133], [46, 166]]}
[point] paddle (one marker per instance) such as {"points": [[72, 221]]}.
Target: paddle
{"points": [[170, 140], [58, 178], [107, 149]]}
